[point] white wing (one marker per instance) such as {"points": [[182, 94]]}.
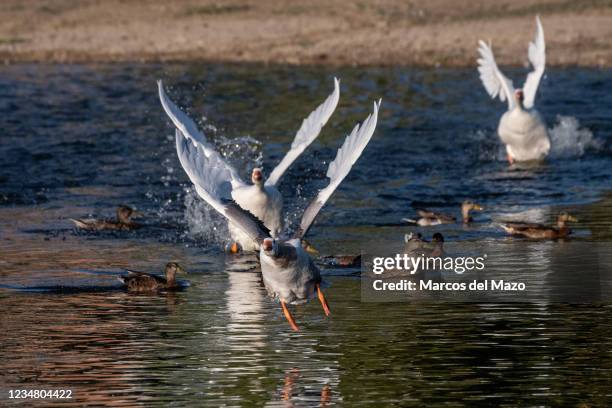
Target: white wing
{"points": [[212, 181], [537, 58], [338, 169], [189, 129], [308, 132], [493, 80]]}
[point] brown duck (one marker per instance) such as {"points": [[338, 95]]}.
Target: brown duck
{"points": [[540, 231], [416, 244], [145, 282], [342, 261], [122, 223], [429, 218]]}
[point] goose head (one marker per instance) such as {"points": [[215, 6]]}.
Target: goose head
{"points": [[270, 247], [257, 176], [519, 97]]}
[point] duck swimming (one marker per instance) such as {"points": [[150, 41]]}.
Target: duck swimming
{"points": [[415, 244], [429, 218], [540, 231], [289, 273], [521, 128], [342, 261], [122, 223], [262, 197], [145, 282]]}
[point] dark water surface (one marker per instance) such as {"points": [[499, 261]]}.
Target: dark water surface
{"points": [[79, 140]]}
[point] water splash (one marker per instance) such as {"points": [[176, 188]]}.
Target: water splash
{"points": [[489, 146], [203, 222], [568, 139], [244, 153]]}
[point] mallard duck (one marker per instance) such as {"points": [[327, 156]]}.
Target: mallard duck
{"points": [[145, 282], [413, 242], [123, 222], [521, 128], [342, 261], [429, 218], [261, 198], [288, 272], [416, 244], [540, 231]]}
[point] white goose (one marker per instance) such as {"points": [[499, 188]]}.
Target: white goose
{"points": [[289, 274], [521, 128], [260, 198]]}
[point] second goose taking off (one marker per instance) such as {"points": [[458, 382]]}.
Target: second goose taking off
{"points": [[521, 128]]}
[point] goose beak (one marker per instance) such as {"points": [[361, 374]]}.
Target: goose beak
{"points": [[256, 175], [267, 244], [234, 248], [478, 207], [180, 270], [572, 218], [137, 214], [309, 248]]}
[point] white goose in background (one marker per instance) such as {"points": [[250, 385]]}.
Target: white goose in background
{"points": [[521, 128], [289, 274], [260, 198]]}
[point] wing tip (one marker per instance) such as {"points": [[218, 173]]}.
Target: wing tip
{"points": [[163, 97]]}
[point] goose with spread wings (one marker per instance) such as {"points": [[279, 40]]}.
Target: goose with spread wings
{"points": [[261, 198], [521, 128], [289, 273]]}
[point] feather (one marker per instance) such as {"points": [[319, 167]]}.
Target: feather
{"points": [[308, 132], [347, 155]]}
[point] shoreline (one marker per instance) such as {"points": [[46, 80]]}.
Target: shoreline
{"points": [[188, 59], [318, 33]]}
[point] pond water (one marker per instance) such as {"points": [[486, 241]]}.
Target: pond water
{"points": [[79, 140]]}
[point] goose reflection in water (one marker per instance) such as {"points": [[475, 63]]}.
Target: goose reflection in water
{"points": [[246, 302], [291, 393]]}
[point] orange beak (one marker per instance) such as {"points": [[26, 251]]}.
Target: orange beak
{"points": [[268, 244]]}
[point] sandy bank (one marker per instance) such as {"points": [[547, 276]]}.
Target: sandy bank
{"points": [[344, 32]]}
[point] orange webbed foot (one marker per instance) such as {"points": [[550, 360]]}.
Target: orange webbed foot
{"points": [[288, 316], [323, 301]]}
